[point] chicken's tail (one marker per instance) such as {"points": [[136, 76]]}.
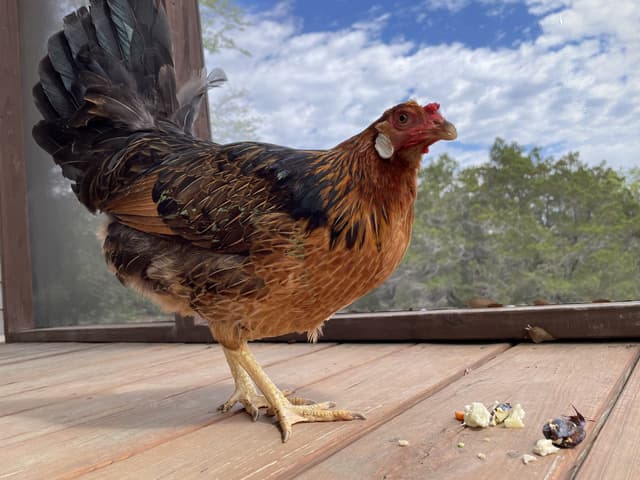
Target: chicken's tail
{"points": [[107, 74]]}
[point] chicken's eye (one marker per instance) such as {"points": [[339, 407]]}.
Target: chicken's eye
{"points": [[403, 118]]}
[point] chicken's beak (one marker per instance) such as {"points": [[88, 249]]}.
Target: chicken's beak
{"points": [[446, 131]]}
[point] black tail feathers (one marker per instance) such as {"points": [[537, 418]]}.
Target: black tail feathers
{"points": [[108, 72]]}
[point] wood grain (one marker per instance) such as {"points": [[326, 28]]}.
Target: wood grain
{"points": [[380, 388], [80, 435], [14, 227], [614, 454], [545, 379], [99, 362], [20, 353], [36, 412]]}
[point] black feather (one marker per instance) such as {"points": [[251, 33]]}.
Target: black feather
{"points": [[161, 35], [105, 33], [43, 104], [101, 63], [124, 25], [168, 102], [61, 59], [79, 30], [54, 89]]}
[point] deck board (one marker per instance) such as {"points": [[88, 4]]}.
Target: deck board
{"points": [[148, 411], [614, 454], [86, 402], [119, 422], [378, 389], [545, 379]]}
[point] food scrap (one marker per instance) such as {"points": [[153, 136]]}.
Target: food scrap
{"points": [[476, 415], [459, 414], [500, 412], [515, 418], [526, 458], [481, 456], [403, 443], [460, 444], [566, 431], [544, 447]]}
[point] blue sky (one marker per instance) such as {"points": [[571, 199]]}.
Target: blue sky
{"points": [[560, 74], [473, 24]]}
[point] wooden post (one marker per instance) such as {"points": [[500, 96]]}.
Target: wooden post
{"points": [[186, 35], [14, 218]]}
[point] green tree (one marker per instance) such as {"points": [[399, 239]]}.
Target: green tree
{"points": [[517, 228]]}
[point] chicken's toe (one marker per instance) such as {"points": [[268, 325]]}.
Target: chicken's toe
{"points": [[248, 398], [289, 414]]}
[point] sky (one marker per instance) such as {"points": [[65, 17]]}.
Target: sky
{"points": [[562, 75]]}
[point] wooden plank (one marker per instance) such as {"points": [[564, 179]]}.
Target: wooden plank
{"points": [[614, 454], [564, 322], [380, 389], [125, 420], [137, 364], [21, 352], [14, 217], [100, 361], [546, 379], [75, 405]]}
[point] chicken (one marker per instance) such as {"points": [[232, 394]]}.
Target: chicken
{"points": [[257, 239]]}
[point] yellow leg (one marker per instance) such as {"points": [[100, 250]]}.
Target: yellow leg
{"points": [[288, 412], [246, 393]]}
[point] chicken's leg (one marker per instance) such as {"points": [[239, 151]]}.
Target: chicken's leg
{"points": [[287, 412], [246, 392]]}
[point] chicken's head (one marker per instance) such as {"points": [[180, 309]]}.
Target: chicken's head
{"points": [[411, 126]]}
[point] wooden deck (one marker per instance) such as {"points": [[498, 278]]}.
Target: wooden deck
{"points": [[138, 411]]}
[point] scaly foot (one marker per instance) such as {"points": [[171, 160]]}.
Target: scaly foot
{"points": [[290, 414], [249, 398], [247, 395], [289, 411]]}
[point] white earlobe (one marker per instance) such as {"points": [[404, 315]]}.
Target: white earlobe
{"points": [[384, 147]]}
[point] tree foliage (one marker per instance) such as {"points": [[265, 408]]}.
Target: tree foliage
{"points": [[518, 228], [220, 18]]}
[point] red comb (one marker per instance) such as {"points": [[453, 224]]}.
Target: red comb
{"points": [[432, 108]]}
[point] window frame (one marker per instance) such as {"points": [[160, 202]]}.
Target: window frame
{"points": [[579, 321]]}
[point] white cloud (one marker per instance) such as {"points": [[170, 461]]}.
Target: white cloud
{"points": [[574, 88]]}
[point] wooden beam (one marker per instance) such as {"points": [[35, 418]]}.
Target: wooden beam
{"points": [[186, 35], [14, 219], [619, 320], [158, 332]]}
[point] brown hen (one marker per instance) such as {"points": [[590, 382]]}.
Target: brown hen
{"points": [[259, 240]]}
